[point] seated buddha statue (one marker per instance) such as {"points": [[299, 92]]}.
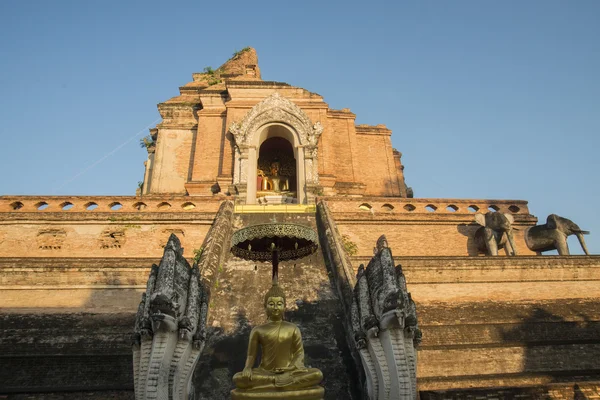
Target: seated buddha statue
{"points": [[281, 373], [280, 183]]}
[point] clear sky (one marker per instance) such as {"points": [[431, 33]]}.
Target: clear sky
{"points": [[486, 99]]}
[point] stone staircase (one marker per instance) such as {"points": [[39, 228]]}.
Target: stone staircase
{"points": [[237, 305]]}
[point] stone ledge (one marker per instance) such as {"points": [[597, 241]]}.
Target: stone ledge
{"points": [[109, 204], [502, 380], [343, 113], [373, 130], [428, 206], [366, 218], [253, 84], [502, 262], [578, 389]]}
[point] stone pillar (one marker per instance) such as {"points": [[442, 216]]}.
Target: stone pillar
{"points": [[251, 165], [301, 172], [241, 174], [147, 185], [312, 173], [236, 165]]}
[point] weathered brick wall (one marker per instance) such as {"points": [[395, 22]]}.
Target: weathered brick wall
{"points": [[194, 149], [135, 227], [413, 230], [98, 395], [374, 161], [503, 344], [558, 391], [210, 150], [53, 352], [487, 321], [90, 284], [172, 160], [140, 227], [522, 270], [335, 148], [505, 321]]}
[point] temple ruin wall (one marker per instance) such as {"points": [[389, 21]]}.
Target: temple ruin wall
{"points": [[423, 227]]}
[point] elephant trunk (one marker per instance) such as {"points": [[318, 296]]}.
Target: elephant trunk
{"points": [[511, 241], [582, 242]]}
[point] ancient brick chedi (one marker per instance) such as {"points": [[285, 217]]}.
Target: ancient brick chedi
{"points": [[228, 127], [234, 151]]}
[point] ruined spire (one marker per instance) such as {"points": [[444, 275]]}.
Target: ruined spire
{"points": [[243, 64]]}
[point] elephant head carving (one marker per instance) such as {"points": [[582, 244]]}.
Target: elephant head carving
{"points": [[496, 232], [553, 235]]}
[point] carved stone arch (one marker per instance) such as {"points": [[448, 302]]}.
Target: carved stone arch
{"points": [[276, 108], [277, 116]]}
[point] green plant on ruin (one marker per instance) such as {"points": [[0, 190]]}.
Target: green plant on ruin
{"points": [[132, 226], [146, 142], [213, 75], [213, 81], [122, 219], [189, 104], [128, 225], [350, 247], [140, 184], [238, 53], [318, 191], [198, 254]]}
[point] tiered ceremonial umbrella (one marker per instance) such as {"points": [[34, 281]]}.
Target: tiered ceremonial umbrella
{"points": [[275, 242]]}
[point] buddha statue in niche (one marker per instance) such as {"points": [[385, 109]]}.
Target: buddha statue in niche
{"points": [[281, 373], [270, 178], [280, 183]]}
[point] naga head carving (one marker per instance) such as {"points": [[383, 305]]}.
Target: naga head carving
{"points": [[382, 243]]}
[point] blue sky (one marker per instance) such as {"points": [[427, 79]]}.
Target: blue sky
{"points": [[496, 100]]}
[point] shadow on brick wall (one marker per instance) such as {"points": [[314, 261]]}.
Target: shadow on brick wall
{"points": [[563, 349], [469, 232]]}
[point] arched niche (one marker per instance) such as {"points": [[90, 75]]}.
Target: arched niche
{"points": [[276, 140], [276, 116], [276, 159]]}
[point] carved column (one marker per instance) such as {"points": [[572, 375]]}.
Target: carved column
{"points": [[311, 163], [242, 170], [250, 169], [301, 173]]}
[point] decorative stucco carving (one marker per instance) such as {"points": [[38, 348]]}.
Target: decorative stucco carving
{"points": [[243, 170], [311, 152], [308, 168], [112, 239], [317, 129], [51, 239], [238, 134], [276, 108]]}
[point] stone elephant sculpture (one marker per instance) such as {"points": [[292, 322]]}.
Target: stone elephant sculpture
{"points": [[553, 235], [496, 232]]}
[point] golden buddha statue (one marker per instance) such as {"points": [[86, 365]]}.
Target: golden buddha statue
{"points": [[281, 373], [279, 183]]}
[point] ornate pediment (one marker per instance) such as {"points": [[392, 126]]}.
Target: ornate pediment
{"points": [[276, 108]]}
